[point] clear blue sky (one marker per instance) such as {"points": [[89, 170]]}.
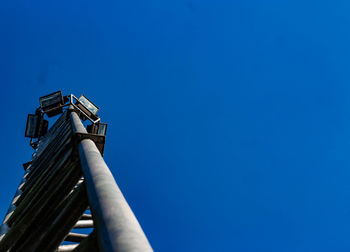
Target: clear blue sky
{"points": [[229, 121]]}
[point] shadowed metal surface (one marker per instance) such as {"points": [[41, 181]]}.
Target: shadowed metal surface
{"points": [[117, 227], [66, 176]]}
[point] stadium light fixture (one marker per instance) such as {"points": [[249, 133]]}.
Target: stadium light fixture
{"points": [[97, 128], [36, 126], [32, 126], [85, 105], [51, 103], [102, 129]]}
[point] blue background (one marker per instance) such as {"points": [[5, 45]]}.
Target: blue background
{"points": [[228, 120]]}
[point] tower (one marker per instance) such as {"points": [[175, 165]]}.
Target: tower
{"points": [[68, 199]]}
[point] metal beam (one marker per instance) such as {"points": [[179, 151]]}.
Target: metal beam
{"points": [[88, 244], [84, 224], [117, 227], [86, 217], [75, 237], [67, 248]]}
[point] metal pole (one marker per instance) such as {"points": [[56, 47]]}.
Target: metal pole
{"points": [[117, 227]]}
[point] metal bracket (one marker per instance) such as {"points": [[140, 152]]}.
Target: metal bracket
{"points": [[26, 165], [99, 140]]}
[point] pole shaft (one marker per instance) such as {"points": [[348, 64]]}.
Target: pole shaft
{"points": [[116, 225]]}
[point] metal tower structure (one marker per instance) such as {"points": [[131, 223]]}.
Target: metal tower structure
{"points": [[68, 199]]}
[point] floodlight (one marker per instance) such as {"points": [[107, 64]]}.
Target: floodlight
{"points": [[32, 126], [97, 128], [36, 126], [87, 107], [51, 103], [102, 128]]}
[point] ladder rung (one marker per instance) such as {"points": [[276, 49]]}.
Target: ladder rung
{"points": [[67, 248], [86, 217], [75, 237], [84, 224]]}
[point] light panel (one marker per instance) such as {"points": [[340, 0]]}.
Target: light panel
{"points": [[102, 128], [51, 100], [51, 104], [33, 122], [88, 105]]}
